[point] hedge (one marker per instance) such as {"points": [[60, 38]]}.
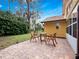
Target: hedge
{"points": [[12, 27]]}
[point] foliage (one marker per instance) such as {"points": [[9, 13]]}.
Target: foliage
{"points": [[12, 25], [38, 27]]}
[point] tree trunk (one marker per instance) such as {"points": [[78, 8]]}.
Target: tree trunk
{"points": [[28, 12]]}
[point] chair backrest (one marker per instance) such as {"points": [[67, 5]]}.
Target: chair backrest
{"points": [[32, 33], [35, 33], [54, 35]]}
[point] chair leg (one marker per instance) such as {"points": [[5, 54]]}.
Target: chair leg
{"points": [[41, 41], [45, 42], [53, 43], [56, 41], [30, 39], [35, 39], [48, 40]]}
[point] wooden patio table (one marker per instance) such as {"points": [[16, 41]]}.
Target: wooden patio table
{"points": [[47, 38]]}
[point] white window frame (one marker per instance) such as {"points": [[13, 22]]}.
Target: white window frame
{"points": [[72, 23]]}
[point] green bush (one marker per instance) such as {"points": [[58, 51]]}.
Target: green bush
{"points": [[10, 25]]}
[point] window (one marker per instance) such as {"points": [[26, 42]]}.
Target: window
{"points": [[75, 30], [74, 19], [72, 27], [70, 30]]}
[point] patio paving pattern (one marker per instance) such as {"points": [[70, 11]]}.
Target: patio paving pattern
{"points": [[36, 50]]}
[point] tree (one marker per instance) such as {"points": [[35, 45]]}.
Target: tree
{"points": [[38, 27], [34, 13], [18, 13], [34, 17], [9, 1], [28, 10], [21, 3]]}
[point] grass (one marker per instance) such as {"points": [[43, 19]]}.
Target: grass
{"points": [[10, 40]]}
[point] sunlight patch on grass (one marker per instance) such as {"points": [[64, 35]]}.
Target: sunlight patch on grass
{"points": [[10, 40]]}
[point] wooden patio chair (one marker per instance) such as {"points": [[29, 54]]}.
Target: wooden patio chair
{"points": [[43, 38], [34, 36], [52, 38]]}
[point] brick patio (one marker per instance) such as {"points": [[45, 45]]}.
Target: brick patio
{"points": [[36, 50]]}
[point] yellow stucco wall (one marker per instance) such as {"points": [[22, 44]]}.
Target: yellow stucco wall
{"points": [[50, 28]]}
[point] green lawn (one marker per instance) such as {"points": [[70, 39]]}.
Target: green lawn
{"points": [[10, 40]]}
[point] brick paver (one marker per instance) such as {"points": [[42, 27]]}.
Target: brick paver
{"points": [[36, 50]]}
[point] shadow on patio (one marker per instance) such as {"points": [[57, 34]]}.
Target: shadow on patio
{"points": [[36, 50]]}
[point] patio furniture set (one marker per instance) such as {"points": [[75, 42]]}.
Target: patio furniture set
{"points": [[44, 37]]}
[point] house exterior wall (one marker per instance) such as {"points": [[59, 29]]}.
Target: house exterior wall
{"points": [[70, 9], [64, 6], [50, 28], [68, 6], [71, 37]]}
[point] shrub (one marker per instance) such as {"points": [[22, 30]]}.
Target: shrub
{"points": [[10, 25]]}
